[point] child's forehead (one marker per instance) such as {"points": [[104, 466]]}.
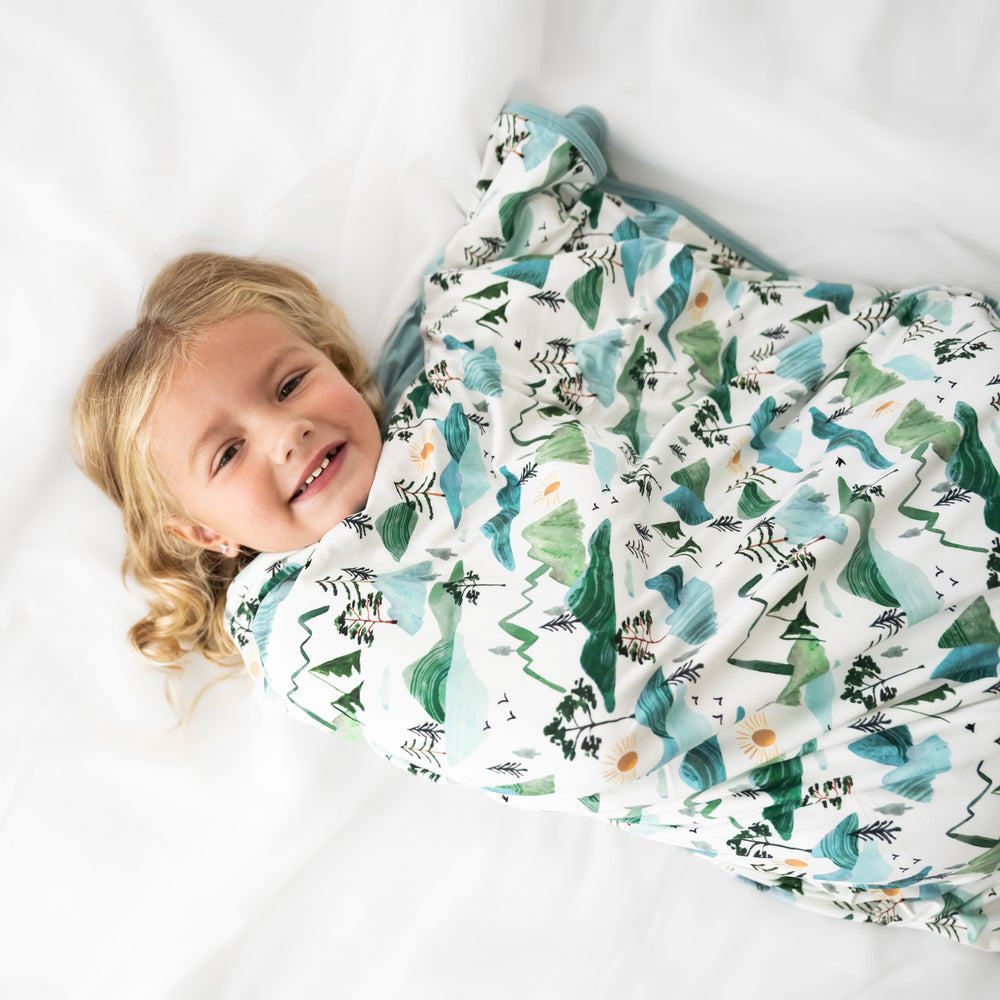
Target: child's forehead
{"points": [[252, 345], [248, 331]]}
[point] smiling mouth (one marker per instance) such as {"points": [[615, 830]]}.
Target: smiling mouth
{"points": [[316, 473]]}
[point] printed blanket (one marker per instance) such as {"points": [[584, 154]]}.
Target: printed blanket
{"points": [[665, 535]]}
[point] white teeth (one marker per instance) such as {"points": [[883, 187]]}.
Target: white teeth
{"points": [[315, 472]]}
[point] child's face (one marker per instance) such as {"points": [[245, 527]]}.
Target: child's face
{"points": [[242, 428]]}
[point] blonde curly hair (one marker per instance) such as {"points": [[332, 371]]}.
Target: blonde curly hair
{"points": [[186, 585]]}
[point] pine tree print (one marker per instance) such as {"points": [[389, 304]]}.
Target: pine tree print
{"points": [[572, 727], [952, 349], [643, 371], [555, 358], [419, 495], [634, 638], [360, 618], [830, 793], [762, 544], [570, 391]]}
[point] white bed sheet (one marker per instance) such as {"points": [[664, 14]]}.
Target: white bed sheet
{"points": [[244, 855]]}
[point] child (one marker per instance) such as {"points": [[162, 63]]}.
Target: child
{"points": [[655, 531], [121, 406]]}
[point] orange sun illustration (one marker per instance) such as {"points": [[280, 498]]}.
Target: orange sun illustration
{"points": [[422, 450], [887, 408], [889, 892], [697, 305], [622, 763], [547, 494], [754, 738], [735, 464]]}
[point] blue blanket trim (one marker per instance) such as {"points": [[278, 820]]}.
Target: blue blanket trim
{"points": [[401, 359], [403, 355], [718, 232], [584, 127], [587, 129]]}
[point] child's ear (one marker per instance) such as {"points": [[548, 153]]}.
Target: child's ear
{"points": [[200, 536]]}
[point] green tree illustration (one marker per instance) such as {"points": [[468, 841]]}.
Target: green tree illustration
{"points": [[754, 475], [864, 684], [444, 279], [359, 619], [761, 543], [349, 580], [726, 523], [953, 349], [865, 674], [671, 531], [419, 496], [755, 840], [920, 329], [644, 372], [422, 772], [993, 565], [637, 546], [865, 491], [404, 423], [707, 428], [553, 300], [604, 259], [467, 588], [877, 313], [688, 672], [643, 479], [572, 727], [829, 793], [565, 622], [514, 133], [882, 830], [570, 390], [749, 381], [635, 637], [490, 247], [769, 292], [423, 747], [439, 377], [509, 769], [876, 723], [555, 358], [359, 522], [242, 620], [800, 555]]}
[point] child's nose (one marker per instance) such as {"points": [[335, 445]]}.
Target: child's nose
{"points": [[286, 436]]}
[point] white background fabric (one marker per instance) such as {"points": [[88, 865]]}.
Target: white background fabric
{"points": [[245, 855]]}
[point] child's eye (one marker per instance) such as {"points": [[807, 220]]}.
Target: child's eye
{"points": [[227, 456], [289, 387]]}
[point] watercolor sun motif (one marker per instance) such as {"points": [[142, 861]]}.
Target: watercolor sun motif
{"points": [[547, 494], [697, 305], [736, 465], [796, 864], [889, 892], [422, 450], [755, 739], [888, 407], [621, 764]]}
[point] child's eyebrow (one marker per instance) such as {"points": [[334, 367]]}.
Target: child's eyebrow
{"points": [[265, 376]]}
